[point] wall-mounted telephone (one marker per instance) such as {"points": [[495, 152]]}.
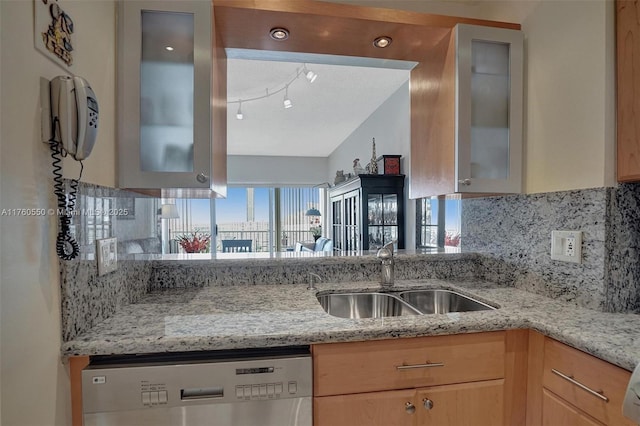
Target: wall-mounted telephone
{"points": [[70, 119], [74, 114]]}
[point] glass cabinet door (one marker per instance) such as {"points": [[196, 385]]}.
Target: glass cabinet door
{"points": [[489, 109], [352, 221], [336, 223], [382, 223], [164, 94]]}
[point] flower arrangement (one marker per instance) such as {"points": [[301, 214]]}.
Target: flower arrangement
{"points": [[316, 231], [195, 242]]}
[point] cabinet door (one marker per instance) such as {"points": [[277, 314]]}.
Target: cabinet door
{"points": [[472, 404], [628, 78], [393, 408], [164, 94], [382, 219], [337, 225], [489, 64], [352, 221], [556, 411]]}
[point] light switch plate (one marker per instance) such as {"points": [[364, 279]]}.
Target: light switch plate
{"points": [[566, 246], [107, 255]]}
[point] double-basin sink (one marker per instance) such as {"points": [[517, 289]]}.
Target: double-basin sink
{"points": [[410, 302]]}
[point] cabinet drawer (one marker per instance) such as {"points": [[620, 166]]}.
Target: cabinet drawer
{"points": [[590, 384], [343, 368]]}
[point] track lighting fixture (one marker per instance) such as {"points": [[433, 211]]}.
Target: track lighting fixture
{"points": [[287, 102], [310, 75], [239, 114], [284, 87]]}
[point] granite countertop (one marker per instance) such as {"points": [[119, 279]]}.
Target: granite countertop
{"points": [[246, 316]]}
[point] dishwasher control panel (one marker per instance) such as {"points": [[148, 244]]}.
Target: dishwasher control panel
{"points": [[267, 390], [172, 384]]}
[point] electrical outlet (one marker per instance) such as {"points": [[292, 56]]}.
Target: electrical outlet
{"points": [[107, 255], [570, 246], [566, 246]]}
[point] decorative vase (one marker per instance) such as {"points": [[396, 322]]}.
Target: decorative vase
{"points": [[373, 168], [315, 237]]}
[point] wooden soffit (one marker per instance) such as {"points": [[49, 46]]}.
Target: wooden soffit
{"points": [[334, 29]]}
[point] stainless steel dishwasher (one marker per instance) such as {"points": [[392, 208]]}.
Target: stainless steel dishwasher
{"points": [[271, 387]]}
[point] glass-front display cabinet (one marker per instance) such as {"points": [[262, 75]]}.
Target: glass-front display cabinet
{"points": [[368, 212]]}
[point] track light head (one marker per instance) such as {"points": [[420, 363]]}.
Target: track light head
{"points": [[310, 75], [287, 102], [239, 114]]}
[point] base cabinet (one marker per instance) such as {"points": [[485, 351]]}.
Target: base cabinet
{"points": [[556, 411], [464, 379], [570, 387], [478, 403]]}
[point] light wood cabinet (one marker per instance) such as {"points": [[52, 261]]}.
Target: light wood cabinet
{"points": [[442, 380], [373, 408], [476, 403], [628, 87], [466, 126], [556, 411], [572, 387], [171, 74]]}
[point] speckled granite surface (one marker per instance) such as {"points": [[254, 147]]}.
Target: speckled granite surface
{"points": [[87, 299], [515, 232], [623, 249], [200, 271], [245, 316]]}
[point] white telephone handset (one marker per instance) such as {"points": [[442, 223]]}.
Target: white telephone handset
{"points": [[74, 110]]}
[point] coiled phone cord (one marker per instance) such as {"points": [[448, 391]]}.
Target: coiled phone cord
{"points": [[66, 246]]}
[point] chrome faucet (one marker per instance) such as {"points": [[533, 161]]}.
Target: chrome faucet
{"points": [[385, 254], [313, 279]]}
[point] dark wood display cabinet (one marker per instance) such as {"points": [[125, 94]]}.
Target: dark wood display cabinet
{"points": [[368, 212]]}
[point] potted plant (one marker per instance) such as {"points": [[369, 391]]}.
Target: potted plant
{"points": [[316, 231], [195, 242]]}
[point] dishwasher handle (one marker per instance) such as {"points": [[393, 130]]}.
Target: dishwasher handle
{"points": [[201, 393]]}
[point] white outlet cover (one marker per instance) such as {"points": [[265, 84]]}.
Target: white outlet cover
{"points": [[107, 255], [563, 243]]}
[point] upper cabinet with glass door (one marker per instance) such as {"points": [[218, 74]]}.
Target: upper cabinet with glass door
{"points": [[470, 140], [165, 87]]}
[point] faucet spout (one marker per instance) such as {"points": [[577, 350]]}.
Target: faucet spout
{"points": [[385, 254], [313, 278]]}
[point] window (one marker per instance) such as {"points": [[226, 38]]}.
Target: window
{"points": [[438, 224], [273, 219]]}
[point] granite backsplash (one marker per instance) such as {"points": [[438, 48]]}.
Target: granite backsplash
{"points": [[513, 236]]}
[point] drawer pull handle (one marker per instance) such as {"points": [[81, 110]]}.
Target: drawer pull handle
{"points": [[580, 385], [409, 408], [414, 366]]}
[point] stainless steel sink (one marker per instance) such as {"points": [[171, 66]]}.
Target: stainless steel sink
{"points": [[365, 305], [442, 301]]}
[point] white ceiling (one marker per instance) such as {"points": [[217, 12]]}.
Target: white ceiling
{"points": [[324, 113]]}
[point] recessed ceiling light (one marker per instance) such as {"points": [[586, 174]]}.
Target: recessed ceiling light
{"points": [[382, 42], [169, 48], [279, 34]]}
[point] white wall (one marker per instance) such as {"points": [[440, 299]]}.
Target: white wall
{"points": [[260, 170], [35, 384], [390, 124], [570, 96]]}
